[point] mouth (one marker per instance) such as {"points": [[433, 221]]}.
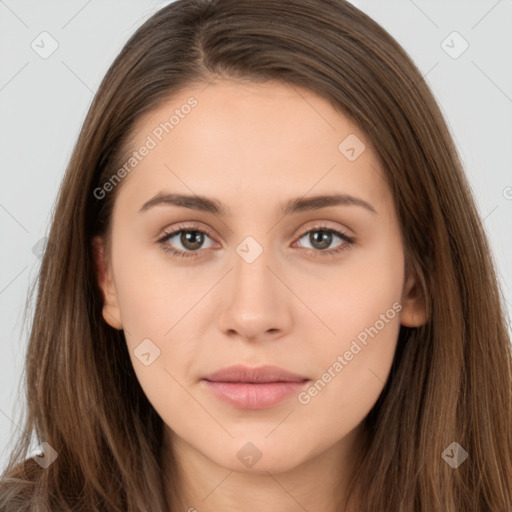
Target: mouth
{"points": [[254, 388]]}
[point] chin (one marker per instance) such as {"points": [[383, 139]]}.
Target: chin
{"points": [[258, 457]]}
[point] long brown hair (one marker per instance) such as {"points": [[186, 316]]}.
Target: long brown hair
{"points": [[451, 378]]}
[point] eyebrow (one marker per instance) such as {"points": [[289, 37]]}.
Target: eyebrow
{"points": [[295, 205]]}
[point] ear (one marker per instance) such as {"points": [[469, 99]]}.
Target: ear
{"points": [[414, 311], [111, 311]]}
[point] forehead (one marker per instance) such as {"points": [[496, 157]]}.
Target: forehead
{"points": [[252, 141]]}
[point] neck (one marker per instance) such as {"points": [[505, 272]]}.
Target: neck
{"points": [[201, 485]]}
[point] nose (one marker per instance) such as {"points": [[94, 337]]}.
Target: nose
{"points": [[256, 303]]}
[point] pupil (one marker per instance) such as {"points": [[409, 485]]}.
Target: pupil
{"points": [[192, 239], [321, 242]]}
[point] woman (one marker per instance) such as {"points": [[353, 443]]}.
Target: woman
{"points": [[196, 345]]}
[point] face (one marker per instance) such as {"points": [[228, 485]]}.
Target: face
{"points": [[274, 276]]}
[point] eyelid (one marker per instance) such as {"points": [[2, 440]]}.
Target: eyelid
{"points": [[318, 226], [184, 226], [191, 225], [323, 224]]}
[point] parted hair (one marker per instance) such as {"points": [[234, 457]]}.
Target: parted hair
{"points": [[451, 378]]}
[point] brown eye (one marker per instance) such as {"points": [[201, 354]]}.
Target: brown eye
{"points": [[185, 241], [321, 238], [323, 241], [192, 240]]}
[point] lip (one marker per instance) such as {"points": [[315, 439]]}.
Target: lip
{"points": [[254, 388], [261, 374]]}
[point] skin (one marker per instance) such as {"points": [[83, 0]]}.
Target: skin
{"points": [[252, 147]]}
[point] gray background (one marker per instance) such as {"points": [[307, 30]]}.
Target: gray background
{"points": [[44, 101]]}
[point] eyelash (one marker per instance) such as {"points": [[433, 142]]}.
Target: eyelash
{"points": [[317, 253]]}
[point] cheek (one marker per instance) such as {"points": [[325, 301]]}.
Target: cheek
{"points": [[352, 294], [151, 294], [355, 299], [154, 300], [363, 309]]}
